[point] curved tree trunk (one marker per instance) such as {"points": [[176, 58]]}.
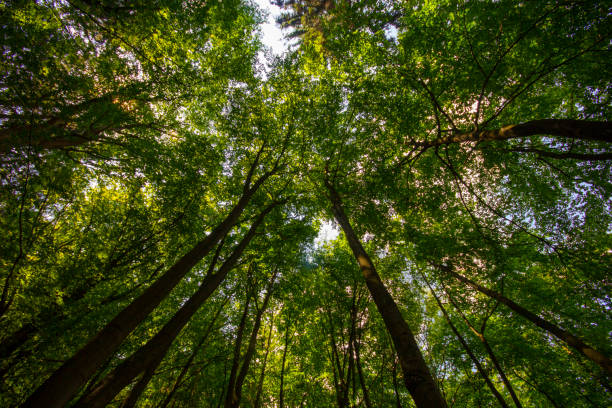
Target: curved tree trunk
{"points": [[65, 382], [417, 378]]}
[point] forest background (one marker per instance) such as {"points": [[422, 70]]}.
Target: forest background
{"points": [[164, 179]]}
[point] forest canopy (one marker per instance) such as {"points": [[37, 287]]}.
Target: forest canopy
{"points": [[167, 183]]}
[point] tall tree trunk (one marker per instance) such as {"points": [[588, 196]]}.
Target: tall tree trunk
{"points": [[281, 392], [574, 129], [364, 388], [263, 368], [114, 382], [417, 378], [250, 352], [231, 383], [141, 385], [467, 349], [489, 350], [196, 350], [65, 382], [398, 402], [569, 339], [340, 383]]}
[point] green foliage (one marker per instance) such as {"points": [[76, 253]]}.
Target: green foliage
{"points": [[128, 131]]}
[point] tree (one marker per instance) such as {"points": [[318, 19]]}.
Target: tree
{"points": [[461, 150]]}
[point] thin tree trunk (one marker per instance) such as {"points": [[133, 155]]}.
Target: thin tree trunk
{"points": [[65, 382], [141, 385], [231, 384], [574, 129], [281, 394], [340, 384], [489, 350], [569, 339], [248, 356], [263, 368], [467, 349], [196, 349], [538, 389], [417, 378], [114, 382], [366, 393], [398, 402]]}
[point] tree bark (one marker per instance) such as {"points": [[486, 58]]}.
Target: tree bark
{"points": [[263, 368], [231, 383], [281, 393], [141, 385], [467, 349], [576, 343], [64, 383], [196, 349], [364, 388], [417, 378], [575, 129], [114, 382], [250, 352]]}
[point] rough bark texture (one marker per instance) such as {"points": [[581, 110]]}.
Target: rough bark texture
{"points": [[64, 383], [114, 382], [417, 378], [569, 339]]}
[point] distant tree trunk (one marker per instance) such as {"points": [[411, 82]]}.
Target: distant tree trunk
{"points": [[569, 339], [250, 352], [263, 368], [417, 378], [196, 350], [231, 383], [114, 382], [364, 388], [489, 350], [281, 393], [535, 386], [398, 402], [340, 383], [65, 382], [467, 349]]}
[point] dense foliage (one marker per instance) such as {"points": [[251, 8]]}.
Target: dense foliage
{"points": [[162, 188]]}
